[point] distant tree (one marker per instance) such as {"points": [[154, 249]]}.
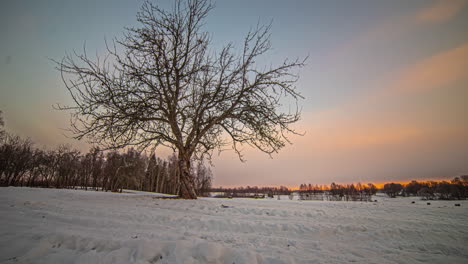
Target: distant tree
{"points": [[133, 169], [392, 189], [459, 188], [203, 179], [97, 160], [86, 169], [464, 179], [173, 170], [444, 190], [67, 167], [413, 188], [35, 169], [372, 189], [16, 155], [167, 86], [427, 193], [120, 170]]}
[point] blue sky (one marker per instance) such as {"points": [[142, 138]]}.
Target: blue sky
{"points": [[385, 86]]}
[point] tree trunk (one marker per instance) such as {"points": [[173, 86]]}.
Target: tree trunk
{"points": [[188, 185]]}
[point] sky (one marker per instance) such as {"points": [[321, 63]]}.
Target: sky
{"points": [[385, 86]]}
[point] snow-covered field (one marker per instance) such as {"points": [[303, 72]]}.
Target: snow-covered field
{"points": [[70, 226]]}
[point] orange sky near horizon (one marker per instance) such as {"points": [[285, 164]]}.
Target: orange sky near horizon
{"points": [[379, 185]]}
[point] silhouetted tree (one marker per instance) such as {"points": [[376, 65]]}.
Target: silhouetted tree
{"points": [[15, 159], [203, 179], [464, 179], [67, 165], [459, 188], [162, 84], [444, 190], [372, 189], [413, 188], [174, 174], [392, 189], [426, 192], [35, 169]]}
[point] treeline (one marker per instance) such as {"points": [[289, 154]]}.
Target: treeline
{"points": [[456, 189], [337, 192], [251, 191], [21, 164]]}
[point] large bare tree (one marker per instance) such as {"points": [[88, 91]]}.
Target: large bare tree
{"points": [[162, 84]]}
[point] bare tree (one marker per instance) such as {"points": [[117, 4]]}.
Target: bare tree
{"points": [[15, 159], [161, 84], [392, 189], [203, 179]]}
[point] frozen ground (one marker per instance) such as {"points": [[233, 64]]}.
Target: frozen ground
{"points": [[69, 226]]}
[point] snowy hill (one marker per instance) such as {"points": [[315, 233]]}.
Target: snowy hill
{"points": [[75, 226]]}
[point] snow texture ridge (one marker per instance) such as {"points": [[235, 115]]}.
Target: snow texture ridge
{"points": [[77, 226]]}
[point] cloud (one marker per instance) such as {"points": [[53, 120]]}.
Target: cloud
{"points": [[352, 137], [437, 71], [350, 129], [400, 113], [394, 28], [440, 11]]}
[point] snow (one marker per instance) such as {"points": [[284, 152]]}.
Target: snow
{"points": [[76, 226]]}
